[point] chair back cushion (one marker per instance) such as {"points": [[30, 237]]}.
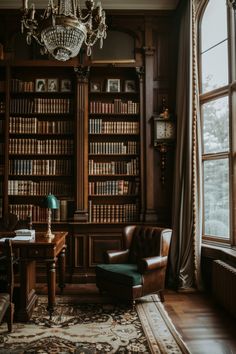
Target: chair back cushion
{"points": [[145, 242]]}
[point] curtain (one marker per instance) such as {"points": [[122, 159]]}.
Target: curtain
{"points": [[184, 270]]}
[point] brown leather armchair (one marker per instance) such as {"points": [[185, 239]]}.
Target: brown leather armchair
{"points": [[140, 268], [6, 284]]}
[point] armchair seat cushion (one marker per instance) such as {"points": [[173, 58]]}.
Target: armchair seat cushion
{"points": [[126, 274]]}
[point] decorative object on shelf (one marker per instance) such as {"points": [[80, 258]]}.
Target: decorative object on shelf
{"points": [[164, 136], [63, 28], [65, 85], [41, 85], [130, 86], [113, 85], [95, 86], [53, 85], [50, 202]]}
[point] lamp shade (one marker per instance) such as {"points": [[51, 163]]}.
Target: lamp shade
{"points": [[50, 202]]}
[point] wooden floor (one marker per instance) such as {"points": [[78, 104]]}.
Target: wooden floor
{"points": [[204, 327]]}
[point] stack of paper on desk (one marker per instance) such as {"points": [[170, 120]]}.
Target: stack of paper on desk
{"points": [[24, 234], [21, 235]]}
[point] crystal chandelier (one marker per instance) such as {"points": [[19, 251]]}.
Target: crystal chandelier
{"points": [[63, 28]]}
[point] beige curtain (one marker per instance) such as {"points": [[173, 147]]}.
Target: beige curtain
{"points": [[187, 202]]}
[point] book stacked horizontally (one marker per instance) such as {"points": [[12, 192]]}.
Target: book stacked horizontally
{"points": [[24, 235]]}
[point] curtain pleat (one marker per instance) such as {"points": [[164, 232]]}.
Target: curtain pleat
{"points": [[184, 272]]}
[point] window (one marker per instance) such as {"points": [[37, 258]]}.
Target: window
{"points": [[216, 117]]}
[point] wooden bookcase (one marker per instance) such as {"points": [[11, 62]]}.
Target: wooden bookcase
{"points": [[114, 145], [41, 144], [46, 149], [2, 135]]}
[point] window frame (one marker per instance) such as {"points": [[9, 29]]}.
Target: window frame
{"points": [[228, 90]]}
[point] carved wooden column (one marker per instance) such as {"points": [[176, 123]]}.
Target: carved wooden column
{"points": [[81, 146], [140, 73], [150, 211]]}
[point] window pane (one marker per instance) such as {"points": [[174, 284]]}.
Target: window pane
{"points": [[214, 24], [215, 67], [216, 126], [216, 198]]}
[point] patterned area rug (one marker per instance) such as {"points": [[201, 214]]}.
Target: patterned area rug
{"points": [[94, 329]]}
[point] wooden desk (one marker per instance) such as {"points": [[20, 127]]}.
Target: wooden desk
{"points": [[41, 250]]}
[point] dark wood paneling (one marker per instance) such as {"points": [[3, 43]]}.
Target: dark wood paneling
{"points": [[79, 250], [98, 244]]}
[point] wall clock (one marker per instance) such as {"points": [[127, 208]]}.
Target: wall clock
{"points": [[164, 130], [163, 137]]}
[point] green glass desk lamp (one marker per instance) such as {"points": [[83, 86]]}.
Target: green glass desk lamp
{"points": [[50, 202]]}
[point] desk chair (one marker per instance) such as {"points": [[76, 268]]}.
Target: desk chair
{"points": [[11, 222], [6, 284], [139, 269]]}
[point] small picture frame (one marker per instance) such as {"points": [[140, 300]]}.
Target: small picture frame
{"points": [[113, 85], [65, 85], [52, 85], [41, 85], [95, 86], [130, 86]]}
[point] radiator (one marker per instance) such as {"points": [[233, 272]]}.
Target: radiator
{"points": [[224, 285]]}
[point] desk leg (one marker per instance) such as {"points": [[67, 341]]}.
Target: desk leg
{"points": [[51, 279], [62, 269], [26, 302]]}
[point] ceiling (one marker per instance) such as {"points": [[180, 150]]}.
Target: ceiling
{"points": [[106, 4]]}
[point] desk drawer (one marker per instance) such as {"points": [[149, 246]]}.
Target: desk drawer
{"points": [[37, 253]]}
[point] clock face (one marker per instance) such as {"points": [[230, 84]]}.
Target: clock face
{"points": [[164, 130]]}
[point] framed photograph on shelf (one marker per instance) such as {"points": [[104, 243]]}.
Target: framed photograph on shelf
{"points": [[95, 86], [113, 85], [130, 86], [65, 85], [52, 85], [41, 85]]}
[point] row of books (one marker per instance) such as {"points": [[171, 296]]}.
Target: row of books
{"points": [[131, 147], [35, 146], [99, 126], [18, 85], [114, 167], [40, 167], [40, 105], [2, 107], [117, 187], [38, 214], [112, 213], [115, 107], [33, 125], [31, 188]]}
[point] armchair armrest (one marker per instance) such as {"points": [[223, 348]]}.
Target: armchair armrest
{"points": [[151, 263], [117, 256]]}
